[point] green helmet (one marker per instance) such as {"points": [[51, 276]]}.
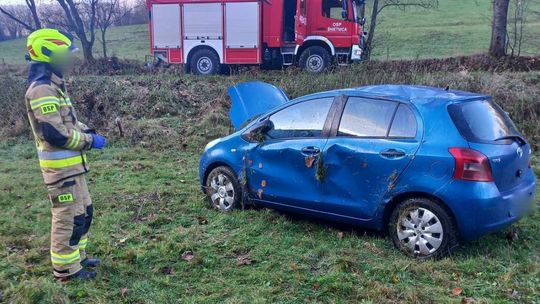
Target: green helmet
{"points": [[49, 45]]}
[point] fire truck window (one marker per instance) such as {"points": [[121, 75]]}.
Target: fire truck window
{"points": [[332, 9]]}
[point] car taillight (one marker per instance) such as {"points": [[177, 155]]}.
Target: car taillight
{"points": [[471, 165]]}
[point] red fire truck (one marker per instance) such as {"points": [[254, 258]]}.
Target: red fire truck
{"points": [[207, 35]]}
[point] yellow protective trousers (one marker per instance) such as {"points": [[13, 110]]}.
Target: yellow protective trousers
{"points": [[72, 213]]}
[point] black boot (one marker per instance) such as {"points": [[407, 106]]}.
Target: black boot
{"points": [[82, 275], [90, 262]]}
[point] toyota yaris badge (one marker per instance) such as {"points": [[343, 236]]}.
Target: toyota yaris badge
{"points": [[519, 152]]}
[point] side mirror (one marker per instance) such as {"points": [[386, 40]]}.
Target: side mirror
{"points": [[362, 21], [257, 132]]}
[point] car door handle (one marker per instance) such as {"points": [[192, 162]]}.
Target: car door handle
{"points": [[392, 153], [310, 150]]}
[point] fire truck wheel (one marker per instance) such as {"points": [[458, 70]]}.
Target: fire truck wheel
{"points": [[205, 62], [315, 59]]}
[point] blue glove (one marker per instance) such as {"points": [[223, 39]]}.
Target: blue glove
{"points": [[98, 141]]}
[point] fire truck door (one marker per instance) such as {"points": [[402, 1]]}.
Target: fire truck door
{"points": [[300, 21], [328, 21]]}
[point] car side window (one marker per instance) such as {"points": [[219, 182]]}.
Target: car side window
{"points": [[404, 123], [366, 117], [305, 119]]}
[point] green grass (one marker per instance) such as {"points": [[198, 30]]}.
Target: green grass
{"points": [[456, 27], [149, 210]]}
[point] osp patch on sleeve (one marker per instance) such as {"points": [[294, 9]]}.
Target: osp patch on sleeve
{"points": [[48, 108]]}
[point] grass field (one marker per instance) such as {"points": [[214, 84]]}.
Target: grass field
{"points": [[149, 208], [456, 27], [149, 211]]}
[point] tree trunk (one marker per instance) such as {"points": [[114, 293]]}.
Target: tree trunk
{"points": [[75, 22], [497, 47], [372, 25], [104, 43], [87, 52], [33, 9]]}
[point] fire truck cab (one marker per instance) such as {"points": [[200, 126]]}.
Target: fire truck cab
{"points": [[206, 35]]}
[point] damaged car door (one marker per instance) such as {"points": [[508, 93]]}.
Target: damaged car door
{"points": [[371, 145], [282, 167]]}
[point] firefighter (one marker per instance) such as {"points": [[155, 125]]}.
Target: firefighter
{"points": [[62, 142]]}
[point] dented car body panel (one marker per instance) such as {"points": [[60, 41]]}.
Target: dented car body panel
{"points": [[363, 150]]}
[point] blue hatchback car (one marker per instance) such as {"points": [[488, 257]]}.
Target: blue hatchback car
{"points": [[430, 166]]}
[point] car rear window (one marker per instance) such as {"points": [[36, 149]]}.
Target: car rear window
{"points": [[481, 121], [404, 124]]}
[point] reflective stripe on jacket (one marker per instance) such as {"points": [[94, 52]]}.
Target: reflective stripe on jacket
{"points": [[60, 138]]}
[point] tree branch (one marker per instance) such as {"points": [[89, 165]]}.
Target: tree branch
{"points": [[403, 5], [12, 17]]}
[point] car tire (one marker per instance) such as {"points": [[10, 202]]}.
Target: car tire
{"points": [[204, 62], [315, 59], [422, 228], [223, 189]]}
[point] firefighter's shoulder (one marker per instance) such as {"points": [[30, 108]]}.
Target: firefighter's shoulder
{"points": [[41, 89], [44, 96]]}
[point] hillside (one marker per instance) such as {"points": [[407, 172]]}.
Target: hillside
{"points": [[456, 27]]}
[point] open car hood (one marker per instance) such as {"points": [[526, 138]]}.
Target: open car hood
{"points": [[253, 98]]}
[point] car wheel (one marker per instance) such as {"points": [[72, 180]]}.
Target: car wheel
{"points": [[205, 62], [315, 59], [420, 227], [223, 189]]}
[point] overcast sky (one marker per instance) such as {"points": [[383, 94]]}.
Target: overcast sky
{"points": [[38, 1], [11, 1], [21, 1]]}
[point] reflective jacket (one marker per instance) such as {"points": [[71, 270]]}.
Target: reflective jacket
{"points": [[60, 138]]}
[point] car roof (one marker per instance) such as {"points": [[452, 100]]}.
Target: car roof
{"points": [[417, 95]]}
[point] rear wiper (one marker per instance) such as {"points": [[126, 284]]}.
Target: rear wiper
{"points": [[518, 138]]}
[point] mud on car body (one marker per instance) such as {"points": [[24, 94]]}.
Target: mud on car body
{"points": [[430, 166]]}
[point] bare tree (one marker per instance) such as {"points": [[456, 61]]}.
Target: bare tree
{"points": [[516, 23], [135, 13], [31, 4], [380, 5], [81, 17], [108, 13], [497, 46], [10, 29], [56, 17]]}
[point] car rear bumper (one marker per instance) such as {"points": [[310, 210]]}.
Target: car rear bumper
{"points": [[492, 211]]}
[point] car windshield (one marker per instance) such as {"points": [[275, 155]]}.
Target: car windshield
{"points": [[482, 121]]}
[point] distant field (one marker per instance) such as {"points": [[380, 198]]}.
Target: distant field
{"points": [[456, 27]]}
